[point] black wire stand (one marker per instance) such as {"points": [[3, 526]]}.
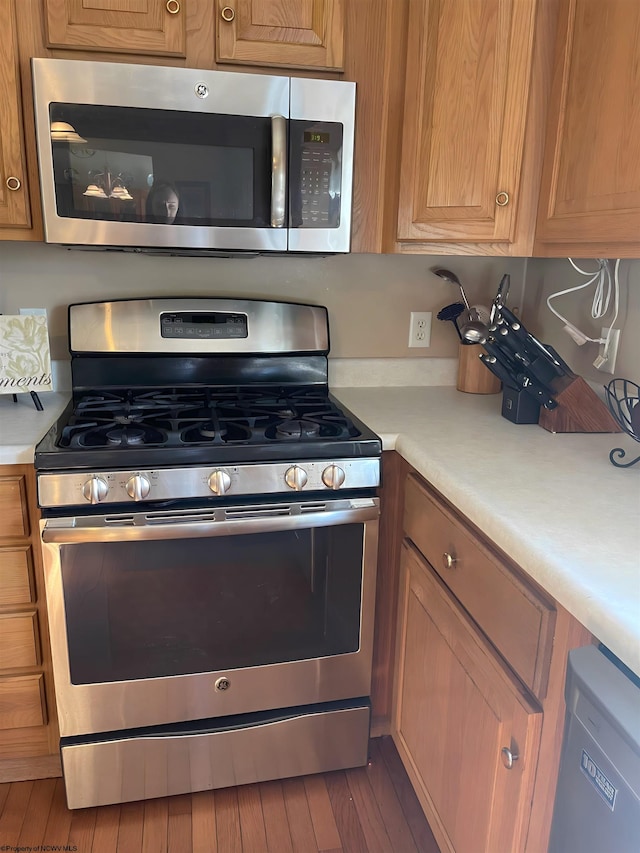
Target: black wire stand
{"points": [[623, 399]]}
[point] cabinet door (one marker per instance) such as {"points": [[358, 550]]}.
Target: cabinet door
{"points": [[14, 201], [591, 174], [155, 27], [459, 714], [291, 33], [467, 85]]}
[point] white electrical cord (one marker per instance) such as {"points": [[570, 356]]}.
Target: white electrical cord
{"points": [[606, 285]]}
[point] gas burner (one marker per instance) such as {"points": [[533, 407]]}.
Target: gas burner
{"points": [[210, 432], [126, 435], [111, 435], [297, 428]]}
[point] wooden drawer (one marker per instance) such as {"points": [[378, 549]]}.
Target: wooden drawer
{"points": [[22, 701], [516, 618], [19, 640], [14, 519], [16, 574]]}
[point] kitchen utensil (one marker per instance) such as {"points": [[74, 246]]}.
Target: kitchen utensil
{"points": [[492, 363], [452, 278], [482, 313], [528, 339], [505, 359], [537, 391], [500, 298], [534, 364], [452, 312], [474, 331]]}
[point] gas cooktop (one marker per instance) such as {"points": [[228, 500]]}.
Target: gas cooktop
{"points": [[199, 425], [200, 399]]}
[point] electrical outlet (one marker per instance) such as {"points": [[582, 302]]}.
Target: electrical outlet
{"points": [[608, 363], [420, 329]]}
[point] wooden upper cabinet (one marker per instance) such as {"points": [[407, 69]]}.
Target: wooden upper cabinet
{"points": [[590, 195], [14, 199], [288, 33], [153, 27], [467, 90]]}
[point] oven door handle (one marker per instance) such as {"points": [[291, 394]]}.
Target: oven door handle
{"points": [[221, 521]]}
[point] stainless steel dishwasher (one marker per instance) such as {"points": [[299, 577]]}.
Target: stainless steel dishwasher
{"points": [[597, 807]]}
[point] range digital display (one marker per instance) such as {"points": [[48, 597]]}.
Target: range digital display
{"points": [[199, 325]]}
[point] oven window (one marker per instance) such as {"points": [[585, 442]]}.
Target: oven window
{"points": [[163, 167], [173, 607]]}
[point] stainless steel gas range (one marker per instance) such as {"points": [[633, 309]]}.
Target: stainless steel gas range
{"points": [[209, 530]]}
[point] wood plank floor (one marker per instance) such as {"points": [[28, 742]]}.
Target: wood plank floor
{"points": [[369, 809]]}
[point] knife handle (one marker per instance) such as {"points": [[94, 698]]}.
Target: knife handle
{"points": [[540, 394]]}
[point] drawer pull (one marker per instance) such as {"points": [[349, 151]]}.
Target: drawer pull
{"points": [[13, 183], [448, 560], [173, 7], [228, 14], [502, 199], [508, 757]]}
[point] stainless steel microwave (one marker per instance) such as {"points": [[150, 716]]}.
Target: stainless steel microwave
{"points": [[192, 161]]}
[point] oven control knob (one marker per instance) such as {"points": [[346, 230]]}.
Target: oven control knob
{"points": [[95, 490], [138, 487], [333, 477], [219, 482], [295, 477]]}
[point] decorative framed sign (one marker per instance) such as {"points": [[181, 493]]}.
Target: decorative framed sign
{"points": [[25, 359]]}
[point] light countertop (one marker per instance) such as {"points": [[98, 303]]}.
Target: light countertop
{"points": [[553, 502], [22, 425]]}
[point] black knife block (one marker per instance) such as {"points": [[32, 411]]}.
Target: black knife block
{"points": [[519, 407]]}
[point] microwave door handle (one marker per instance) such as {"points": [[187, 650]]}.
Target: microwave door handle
{"points": [[278, 170]]}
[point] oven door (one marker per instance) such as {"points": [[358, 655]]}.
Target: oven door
{"points": [[160, 617]]}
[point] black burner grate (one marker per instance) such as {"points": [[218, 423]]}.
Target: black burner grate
{"points": [[204, 416]]}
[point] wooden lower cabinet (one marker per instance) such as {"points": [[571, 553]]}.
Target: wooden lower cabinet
{"points": [[28, 724], [467, 731], [479, 663]]}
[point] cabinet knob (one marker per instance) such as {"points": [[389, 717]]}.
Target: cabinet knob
{"points": [[502, 199], [508, 757], [448, 560], [173, 7], [13, 183], [228, 14]]}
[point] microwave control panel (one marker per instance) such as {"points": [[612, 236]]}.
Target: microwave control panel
{"points": [[315, 174]]}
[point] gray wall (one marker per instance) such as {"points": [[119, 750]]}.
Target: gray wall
{"points": [[545, 277], [369, 297]]}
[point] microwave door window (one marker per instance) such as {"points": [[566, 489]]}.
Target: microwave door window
{"points": [[162, 167]]}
